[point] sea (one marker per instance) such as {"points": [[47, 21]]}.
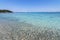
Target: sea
{"points": [[47, 19], [39, 20]]}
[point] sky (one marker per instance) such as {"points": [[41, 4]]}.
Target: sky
{"points": [[31, 5]]}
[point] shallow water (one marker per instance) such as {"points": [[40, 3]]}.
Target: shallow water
{"points": [[31, 25], [43, 19]]}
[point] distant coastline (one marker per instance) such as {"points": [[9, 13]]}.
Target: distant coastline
{"points": [[5, 11]]}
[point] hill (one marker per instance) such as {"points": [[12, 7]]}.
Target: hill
{"points": [[5, 11]]}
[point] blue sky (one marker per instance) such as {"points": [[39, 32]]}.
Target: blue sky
{"points": [[31, 5]]}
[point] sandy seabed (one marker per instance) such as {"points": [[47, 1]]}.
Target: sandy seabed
{"points": [[11, 30]]}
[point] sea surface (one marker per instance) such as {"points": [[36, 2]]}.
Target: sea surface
{"points": [[49, 21], [44, 19]]}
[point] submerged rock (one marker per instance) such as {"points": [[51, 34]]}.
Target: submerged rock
{"points": [[23, 31]]}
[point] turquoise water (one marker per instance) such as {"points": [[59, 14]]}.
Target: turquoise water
{"points": [[30, 26], [42, 19]]}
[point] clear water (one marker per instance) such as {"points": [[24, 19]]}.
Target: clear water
{"points": [[30, 26], [43, 19]]}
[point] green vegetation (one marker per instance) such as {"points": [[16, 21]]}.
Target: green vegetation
{"points": [[5, 11]]}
